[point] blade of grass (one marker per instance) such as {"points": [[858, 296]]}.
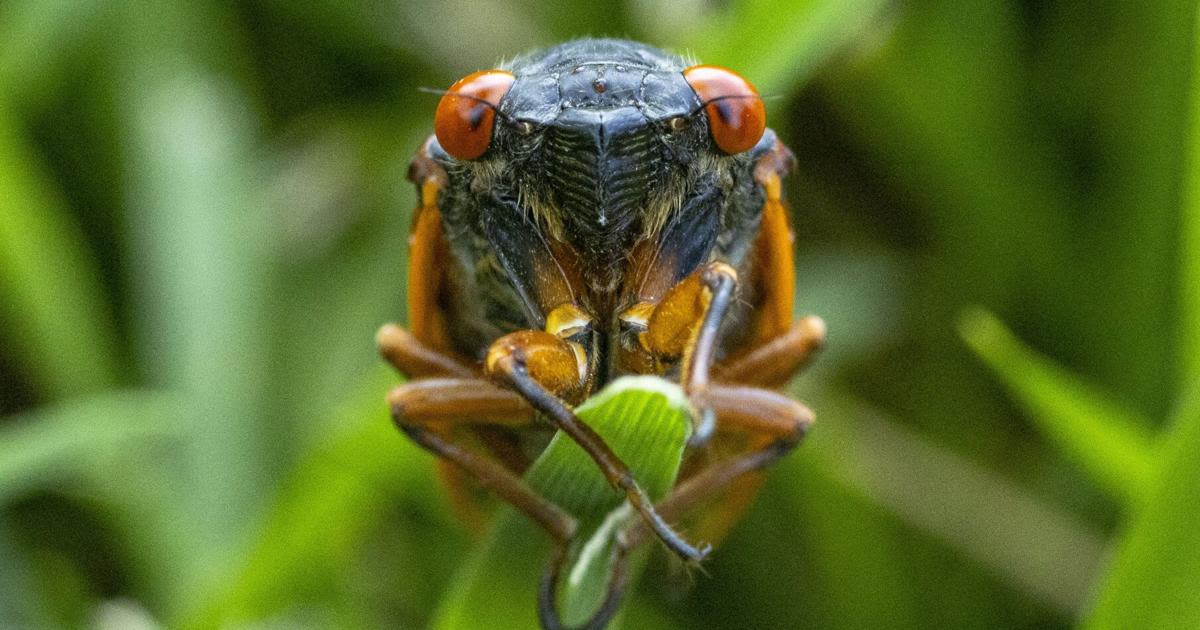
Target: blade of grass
{"points": [[200, 266], [333, 498], [1035, 545], [1152, 580], [1188, 281], [45, 446], [36, 34], [110, 452], [53, 313], [1111, 444], [645, 421], [780, 44], [52, 310]]}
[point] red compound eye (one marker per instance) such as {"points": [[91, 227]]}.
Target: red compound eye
{"points": [[464, 118], [736, 116]]}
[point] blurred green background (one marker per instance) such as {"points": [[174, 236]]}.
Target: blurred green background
{"points": [[203, 216]]}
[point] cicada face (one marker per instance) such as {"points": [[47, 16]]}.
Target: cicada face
{"points": [[599, 146]]}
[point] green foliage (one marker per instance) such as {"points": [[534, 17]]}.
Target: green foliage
{"points": [[1112, 443], [202, 222], [300, 547], [53, 314], [1151, 582], [780, 44], [1189, 243], [59, 443]]}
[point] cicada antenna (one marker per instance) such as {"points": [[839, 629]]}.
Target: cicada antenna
{"points": [[484, 102]]}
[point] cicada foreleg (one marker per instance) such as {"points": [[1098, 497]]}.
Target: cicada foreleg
{"points": [[447, 394], [775, 424], [685, 325], [541, 367], [427, 410], [773, 363]]}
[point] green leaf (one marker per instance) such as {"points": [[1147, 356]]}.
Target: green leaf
{"points": [[328, 503], [1188, 281], [54, 443], [1152, 580], [780, 44], [1110, 443], [52, 310], [200, 263], [646, 422]]}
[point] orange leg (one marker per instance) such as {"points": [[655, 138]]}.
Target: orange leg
{"points": [[774, 362], [542, 366], [538, 366], [773, 417], [426, 410], [684, 325], [416, 360], [771, 364]]}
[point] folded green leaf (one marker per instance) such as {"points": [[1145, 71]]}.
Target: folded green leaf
{"points": [[646, 422], [1112, 444]]}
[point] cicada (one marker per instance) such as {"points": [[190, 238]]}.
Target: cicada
{"points": [[590, 210]]}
